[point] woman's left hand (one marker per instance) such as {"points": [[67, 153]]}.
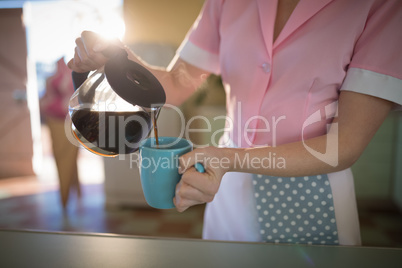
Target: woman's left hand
{"points": [[195, 187]]}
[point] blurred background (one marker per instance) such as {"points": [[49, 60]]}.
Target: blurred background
{"points": [[35, 35]]}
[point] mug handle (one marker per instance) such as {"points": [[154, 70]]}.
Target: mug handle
{"points": [[199, 167]]}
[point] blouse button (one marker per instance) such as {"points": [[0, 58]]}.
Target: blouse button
{"points": [[266, 67]]}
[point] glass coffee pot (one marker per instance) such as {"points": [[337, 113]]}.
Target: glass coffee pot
{"points": [[115, 108]]}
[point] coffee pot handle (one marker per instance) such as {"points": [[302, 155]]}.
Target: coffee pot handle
{"points": [[112, 52]]}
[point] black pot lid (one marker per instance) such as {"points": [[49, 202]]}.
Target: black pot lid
{"points": [[134, 83]]}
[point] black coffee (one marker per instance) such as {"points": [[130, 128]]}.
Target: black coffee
{"points": [[114, 132]]}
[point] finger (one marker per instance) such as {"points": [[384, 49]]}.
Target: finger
{"points": [[84, 60], [186, 196], [94, 44], [188, 160], [204, 182]]}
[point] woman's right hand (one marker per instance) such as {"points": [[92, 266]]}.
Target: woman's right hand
{"points": [[88, 52]]}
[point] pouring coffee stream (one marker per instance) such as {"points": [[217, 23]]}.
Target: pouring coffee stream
{"points": [[115, 108]]}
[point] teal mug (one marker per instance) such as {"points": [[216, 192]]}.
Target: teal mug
{"points": [[159, 169]]}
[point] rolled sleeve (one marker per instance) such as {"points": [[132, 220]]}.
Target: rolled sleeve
{"points": [[376, 66], [201, 45]]}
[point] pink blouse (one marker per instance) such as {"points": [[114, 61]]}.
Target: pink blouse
{"points": [[273, 88]]}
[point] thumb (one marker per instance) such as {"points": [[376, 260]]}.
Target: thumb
{"points": [[186, 161]]}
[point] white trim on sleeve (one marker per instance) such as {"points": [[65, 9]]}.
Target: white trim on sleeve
{"points": [[199, 57], [373, 84]]}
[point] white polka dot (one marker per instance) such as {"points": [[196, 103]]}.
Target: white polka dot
{"points": [[286, 217], [326, 183], [314, 184], [280, 224], [276, 199], [310, 204], [292, 179], [317, 209], [321, 190], [333, 220], [282, 236], [298, 216], [287, 230], [289, 240], [260, 219], [254, 182], [329, 196], [265, 212], [293, 223], [281, 192], [271, 205], [297, 204], [312, 216], [267, 181], [300, 185], [274, 187], [287, 185], [279, 180], [302, 197], [258, 207], [309, 243], [273, 218], [319, 177], [304, 210], [323, 203], [302, 239], [329, 237], [327, 227], [256, 195], [305, 178], [294, 192], [262, 188], [336, 241], [269, 237], [315, 238], [277, 241], [262, 231], [259, 176], [274, 231], [323, 242], [308, 234], [313, 228], [295, 235], [278, 211], [325, 215], [291, 210], [321, 234], [308, 191], [335, 233], [319, 221], [316, 197], [289, 198], [331, 208], [284, 205], [264, 200], [269, 193], [267, 225], [306, 222]]}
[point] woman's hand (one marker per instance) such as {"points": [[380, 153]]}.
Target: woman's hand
{"points": [[198, 188], [88, 52]]}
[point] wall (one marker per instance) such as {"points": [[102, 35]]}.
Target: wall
{"points": [[374, 171], [159, 21]]}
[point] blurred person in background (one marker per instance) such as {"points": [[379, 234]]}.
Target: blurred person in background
{"points": [[54, 108]]}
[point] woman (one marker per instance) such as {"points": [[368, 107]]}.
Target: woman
{"points": [[308, 84]]}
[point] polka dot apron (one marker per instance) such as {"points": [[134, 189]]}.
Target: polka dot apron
{"points": [[297, 210]]}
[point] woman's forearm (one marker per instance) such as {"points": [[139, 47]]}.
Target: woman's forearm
{"points": [[179, 79]]}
